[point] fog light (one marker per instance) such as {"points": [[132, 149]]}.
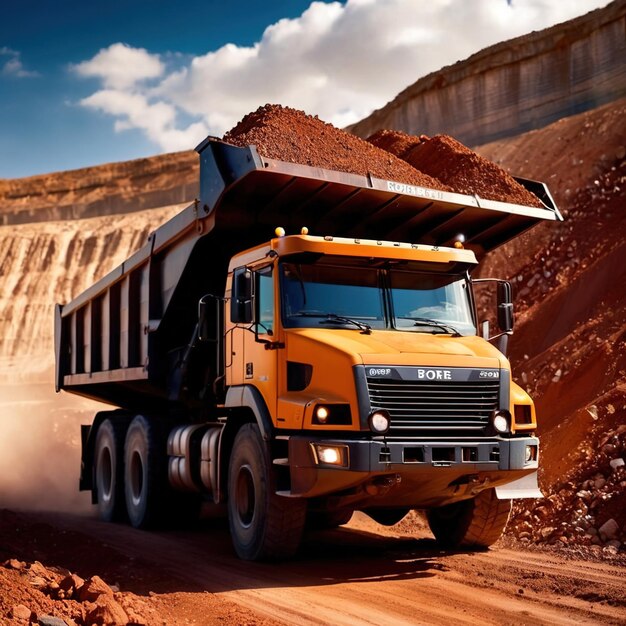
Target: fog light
{"points": [[500, 421], [331, 455], [322, 414], [328, 455], [379, 422], [531, 453]]}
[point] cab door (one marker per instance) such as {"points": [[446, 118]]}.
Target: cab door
{"points": [[260, 367]]}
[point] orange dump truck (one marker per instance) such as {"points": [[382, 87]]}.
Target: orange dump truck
{"points": [[297, 378]]}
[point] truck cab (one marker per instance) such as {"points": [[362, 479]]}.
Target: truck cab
{"points": [[365, 355]]}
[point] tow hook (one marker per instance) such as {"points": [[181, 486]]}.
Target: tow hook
{"points": [[382, 484], [476, 485]]}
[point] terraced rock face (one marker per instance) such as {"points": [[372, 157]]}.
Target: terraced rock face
{"points": [[515, 86], [48, 262], [112, 189]]}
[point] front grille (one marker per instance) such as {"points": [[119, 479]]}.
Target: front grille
{"points": [[424, 408]]}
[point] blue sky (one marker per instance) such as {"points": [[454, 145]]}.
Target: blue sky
{"points": [[89, 82]]}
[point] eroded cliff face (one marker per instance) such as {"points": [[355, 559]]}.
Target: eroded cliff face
{"points": [[103, 190], [47, 262], [517, 85]]}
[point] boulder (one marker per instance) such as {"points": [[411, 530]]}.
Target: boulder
{"points": [[92, 589], [107, 611]]}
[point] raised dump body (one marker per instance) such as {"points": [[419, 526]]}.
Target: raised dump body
{"points": [[122, 340], [298, 378]]}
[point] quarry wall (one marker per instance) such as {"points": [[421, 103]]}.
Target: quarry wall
{"points": [[517, 85], [111, 189]]}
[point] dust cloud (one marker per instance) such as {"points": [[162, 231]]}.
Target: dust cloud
{"points": [[40, 449], [40, 264]]}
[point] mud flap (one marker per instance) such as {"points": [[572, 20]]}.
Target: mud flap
{"points": [[525, 487]]}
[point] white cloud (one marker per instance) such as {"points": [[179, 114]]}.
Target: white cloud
{"points": [[121, 67], [337, 61], [13, 66], [155, 119]]}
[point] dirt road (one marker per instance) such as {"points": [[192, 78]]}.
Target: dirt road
{"points": [[367, 574]]}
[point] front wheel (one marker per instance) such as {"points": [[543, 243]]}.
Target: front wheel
{"points": [[263, 525], [476, 523]]}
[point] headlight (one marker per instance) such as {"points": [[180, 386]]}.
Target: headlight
{"points": [[501, 421], [330, 455], [332, 415], [321, 413], [379, 422]]}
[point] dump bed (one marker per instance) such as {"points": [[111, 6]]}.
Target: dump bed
{"points": [[121, 340]]}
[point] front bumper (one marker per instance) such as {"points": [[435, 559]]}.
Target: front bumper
{"points": [[414, 474]]}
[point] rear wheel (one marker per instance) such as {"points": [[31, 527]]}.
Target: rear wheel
{"points": [[263, 525], [476, 523], [109, 470], [145, 473]]}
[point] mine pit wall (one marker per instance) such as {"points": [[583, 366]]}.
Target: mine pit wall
{"points": [[517, 85], [112, 189], [568, 346], [44, 263]]}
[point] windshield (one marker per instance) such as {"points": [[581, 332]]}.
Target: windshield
{"points": [[421, 297], [322, 294], [323, 291]]}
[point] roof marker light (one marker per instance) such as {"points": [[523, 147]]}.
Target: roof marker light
{"points": [[280, 231]]}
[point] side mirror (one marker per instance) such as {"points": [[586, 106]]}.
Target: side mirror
{"points": [[241, 311], [505, 307], [208, 318]]}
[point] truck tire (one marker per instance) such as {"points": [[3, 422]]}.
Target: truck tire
{"points": [[476, 523], [108, 470], [263, 525], [145, 473]]}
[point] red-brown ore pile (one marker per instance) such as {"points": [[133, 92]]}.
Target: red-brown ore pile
{"points": [[395, 141], [289, 135], [455, 165]]}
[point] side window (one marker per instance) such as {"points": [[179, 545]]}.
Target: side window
{"points": [[265, 302]]}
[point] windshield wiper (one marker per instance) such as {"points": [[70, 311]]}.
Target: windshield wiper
{"points": [[332, 318], [311, 313], [425, 321]]}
